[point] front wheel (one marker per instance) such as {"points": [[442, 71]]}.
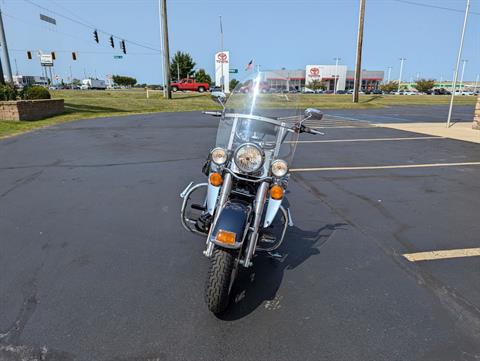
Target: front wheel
{"points": [[219, 280], [201, 89], [174, 88]]}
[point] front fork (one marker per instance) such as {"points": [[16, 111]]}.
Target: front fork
{"points": [[224, 193]]}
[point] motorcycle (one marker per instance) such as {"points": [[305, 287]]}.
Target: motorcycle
{"points": [[248, 172]]}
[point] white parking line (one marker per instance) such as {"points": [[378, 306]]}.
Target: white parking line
{"points": [[444, 254], [400, 166], [366, 139]]}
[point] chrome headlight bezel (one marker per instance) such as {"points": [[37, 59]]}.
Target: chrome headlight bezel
{"points": [[279, 168], [260, 151], [219, 156]]}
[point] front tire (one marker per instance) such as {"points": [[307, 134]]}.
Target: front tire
{"points": [[201, 89], [174, 89], [217, 288]]}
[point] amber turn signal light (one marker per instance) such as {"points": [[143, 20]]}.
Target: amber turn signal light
{"points": [[276, 192], [226, 237], [216, 179]]}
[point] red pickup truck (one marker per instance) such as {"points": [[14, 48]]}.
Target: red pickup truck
{"points": [[189, 84]]}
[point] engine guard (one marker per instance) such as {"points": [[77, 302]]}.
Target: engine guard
{"points": [[189, 223]]}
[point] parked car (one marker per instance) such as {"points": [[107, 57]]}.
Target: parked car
{"points": [[341, 92], [189, 84], [308, 91]]}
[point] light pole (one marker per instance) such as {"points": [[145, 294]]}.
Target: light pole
{"points": [[476, 84], [402, 60], [464, 62], [222, 82], [459, 56], [336, 75], [389, 73]]}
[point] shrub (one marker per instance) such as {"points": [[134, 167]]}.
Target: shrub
{"points": [[35, 92], [8, 92]]}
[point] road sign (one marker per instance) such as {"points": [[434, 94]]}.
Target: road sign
{"points": [[46, 59], [48, 19], [233, 71], [118, 56]]}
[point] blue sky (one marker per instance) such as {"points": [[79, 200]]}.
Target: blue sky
{"points": [[276, 33]]}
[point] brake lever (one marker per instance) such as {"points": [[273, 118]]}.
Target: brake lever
{"points": [[215, 114], [309, 130]]}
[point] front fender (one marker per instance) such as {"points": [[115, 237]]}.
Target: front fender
{"points": [[233, 218]]}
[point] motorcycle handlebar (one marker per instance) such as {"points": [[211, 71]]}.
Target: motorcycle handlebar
{"points": [[306, 129]]}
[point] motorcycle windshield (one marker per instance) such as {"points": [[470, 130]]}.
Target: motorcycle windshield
{"points": [[263, 110]]}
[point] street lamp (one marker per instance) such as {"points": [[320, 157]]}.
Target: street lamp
{"points": [[336, 75], [402, 60], [464, 62]]}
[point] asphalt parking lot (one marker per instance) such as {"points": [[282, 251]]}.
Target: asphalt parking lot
{"points": [[94, 264]]}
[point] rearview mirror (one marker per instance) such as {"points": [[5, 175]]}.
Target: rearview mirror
{"points": [[219, 97], [312, 113]]}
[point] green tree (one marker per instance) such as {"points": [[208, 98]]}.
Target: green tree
{"points": [[425, 85], [233, 83], [317, 84], [201, 76], [185, 65], [389, 87], [124, 80]]}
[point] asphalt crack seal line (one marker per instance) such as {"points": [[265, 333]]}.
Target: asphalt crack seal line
{"points": [[443, 254], [377, 167], [458, 306]]}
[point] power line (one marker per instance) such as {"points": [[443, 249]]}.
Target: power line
{"points": [[434, 6], [91, 27]]}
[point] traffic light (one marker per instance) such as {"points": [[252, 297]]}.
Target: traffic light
{"points": [[29, 55], [95, 36], [74, 55], [53, 55], [122, 46], [112, 43]]}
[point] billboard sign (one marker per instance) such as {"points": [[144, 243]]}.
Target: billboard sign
{"points": [[222, 73]]}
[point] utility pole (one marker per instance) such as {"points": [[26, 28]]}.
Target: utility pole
{"points": [[459, 56], [16, 67], [161, 44], [464, 62], [6, 57], [178, 71], [402, 60], [358, 61], [389, 73], [336, 75], [166, 51]]}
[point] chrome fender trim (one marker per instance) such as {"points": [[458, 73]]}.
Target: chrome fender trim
{"points": [[272, 209], [212, 195]]}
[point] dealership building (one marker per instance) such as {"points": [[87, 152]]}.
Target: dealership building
{"points": [[298, 79]]}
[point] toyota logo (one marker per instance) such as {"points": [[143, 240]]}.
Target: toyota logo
{"points": [[314, 71], [222, 58]]}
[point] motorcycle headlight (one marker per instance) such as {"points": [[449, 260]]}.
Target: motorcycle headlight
{"points": [[248, 158], [279, 168], [219, 156]]}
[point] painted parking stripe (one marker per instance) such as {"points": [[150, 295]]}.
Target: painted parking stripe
{"points": [[378, 167], [366, 140], [443, 254]]}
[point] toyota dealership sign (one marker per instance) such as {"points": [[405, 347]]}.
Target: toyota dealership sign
{"points": [[313, 72]]}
